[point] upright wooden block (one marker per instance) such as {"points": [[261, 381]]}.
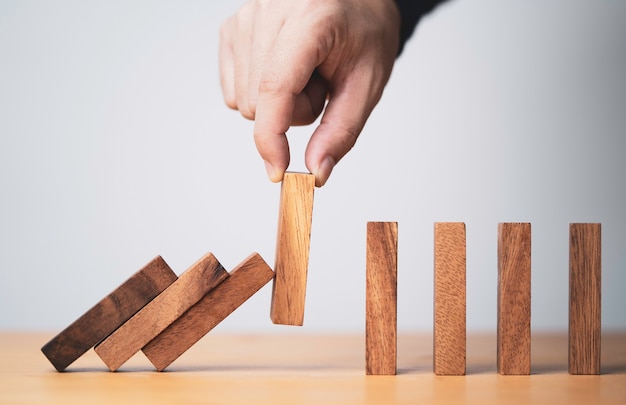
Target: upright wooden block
{"points": [[585, 257], [108, 314], [449, 337], [245, 280], [514, 298], [381, 298], [168, 306], [292, 248]]}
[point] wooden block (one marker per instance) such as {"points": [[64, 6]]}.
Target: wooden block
{"points": [[449, 339], [168, 306], [513, 299], [245, 280], [381, 298], [108, 314], [292, 248], [585, 270]]}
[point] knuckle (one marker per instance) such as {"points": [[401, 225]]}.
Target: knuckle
{"points": [[252, 107], [246, 13], [272, 82], [226, 28], [246, 113], [230, 102]]}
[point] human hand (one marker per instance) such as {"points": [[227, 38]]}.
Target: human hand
{"points": [[281, 60]]}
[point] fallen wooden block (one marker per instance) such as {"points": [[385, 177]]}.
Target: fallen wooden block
{"points": [[245, 280], [513, 333], [381, 298], [292, 249], [108, 314], [449, 334], [585, 268], [168, 306]]}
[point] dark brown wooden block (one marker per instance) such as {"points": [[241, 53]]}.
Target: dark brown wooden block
{"points": [[585, 268], [245, 280], [162, 311], [381, 298], [108, 314], [514, 298], [292, 248], [449, 337]]}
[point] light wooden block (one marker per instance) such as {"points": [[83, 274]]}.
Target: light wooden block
{"points": [[245, 280], [292, 248], [381, 298], [585, 268], [449, 337], [513, 333], [168, 306], [108, 314]]}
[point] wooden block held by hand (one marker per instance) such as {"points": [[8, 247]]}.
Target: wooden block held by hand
{"points": [[513, 334], [449, 337], [109, 314], [168, 306], [245, 280], [585, 268], [292, 248], [381, 298]]}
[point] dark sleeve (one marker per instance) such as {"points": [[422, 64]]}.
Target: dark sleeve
{"points": [[411, 11]]}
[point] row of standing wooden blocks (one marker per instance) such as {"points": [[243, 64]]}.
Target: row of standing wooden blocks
{"points": [[513, 302]]}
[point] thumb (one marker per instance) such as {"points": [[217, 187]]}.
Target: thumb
{"points": [[348, 108]]}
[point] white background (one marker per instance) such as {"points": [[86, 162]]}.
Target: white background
{"points": [[115, 146]]}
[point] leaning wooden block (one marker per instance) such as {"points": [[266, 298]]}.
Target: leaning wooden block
{"points": [[381, 298], [292, 249], [108, 314], [513, 333], [585, 259], [449, 335], [161, 312], [245, 280]]}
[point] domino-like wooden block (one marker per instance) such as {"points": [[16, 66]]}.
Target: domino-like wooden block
{"points": [[108, 314], [381, 298], [585, 257], [449, 337], [245, 280], [513, 333], [292, 248], [162, 311]]}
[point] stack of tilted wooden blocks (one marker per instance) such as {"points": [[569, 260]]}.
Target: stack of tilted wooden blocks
{"points": [[163, 315]]}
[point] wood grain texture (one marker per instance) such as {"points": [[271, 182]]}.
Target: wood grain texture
{"points": [[381, 298], [585, 268], [245, 280], [513, 335], [449, 334], [292, 249], [108, 314], [168, 306]]}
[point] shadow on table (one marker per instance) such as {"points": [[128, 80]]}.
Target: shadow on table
{"points": [[278, 368], [614, 369]]}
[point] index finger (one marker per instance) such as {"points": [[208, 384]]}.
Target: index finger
{"points": [[289, 68]]}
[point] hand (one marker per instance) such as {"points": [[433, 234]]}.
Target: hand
{"points": [[282, 60]]}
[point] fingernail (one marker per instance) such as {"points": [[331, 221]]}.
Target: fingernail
{"points": [[272, 173], [323, 171]]}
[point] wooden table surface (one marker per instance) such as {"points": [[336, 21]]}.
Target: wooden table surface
{"points": [[305, 369]]}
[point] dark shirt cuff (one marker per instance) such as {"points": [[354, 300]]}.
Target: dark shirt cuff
{"points": [[411, 11]]}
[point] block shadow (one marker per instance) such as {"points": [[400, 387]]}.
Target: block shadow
{"points": [[234, 368]]}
